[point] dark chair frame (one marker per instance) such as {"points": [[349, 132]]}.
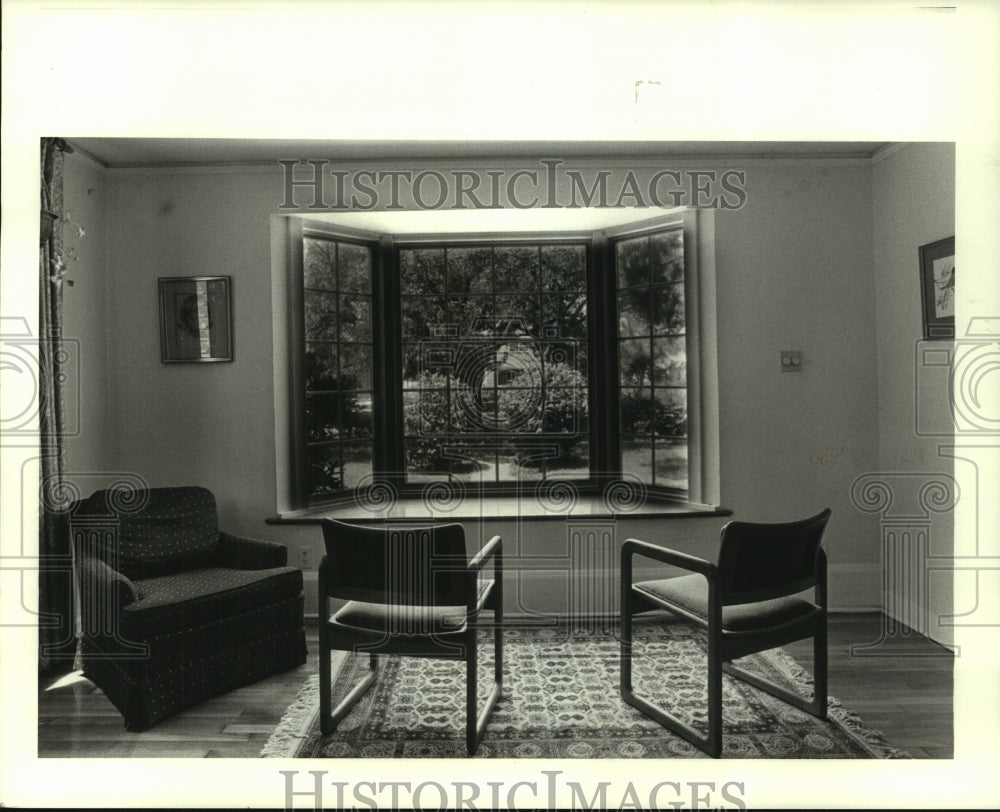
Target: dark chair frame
{"points": [[725, 587], [449, 582]]}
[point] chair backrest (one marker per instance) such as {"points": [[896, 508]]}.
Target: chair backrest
{"points": [[761, 561], [157, 531], [410, 566]]}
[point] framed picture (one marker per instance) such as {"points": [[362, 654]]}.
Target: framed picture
{"points": [[196, 319], [937, 288]]}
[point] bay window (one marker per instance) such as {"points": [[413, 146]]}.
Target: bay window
{"points": [[494, 362]]}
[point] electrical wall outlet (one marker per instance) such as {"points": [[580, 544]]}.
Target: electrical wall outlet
{"points": [[791, 361], [305, 559]]}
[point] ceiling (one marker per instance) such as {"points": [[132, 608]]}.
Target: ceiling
{"points": [[164, 152]]}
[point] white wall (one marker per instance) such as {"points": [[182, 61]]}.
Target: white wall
{"points": [[211, 424], [913, 194], [85, 312], [794, 272]]}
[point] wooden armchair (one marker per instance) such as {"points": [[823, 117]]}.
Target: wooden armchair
{"points": [[411, 592], [747, 602]]}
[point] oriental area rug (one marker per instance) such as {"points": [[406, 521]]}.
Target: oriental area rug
{"points": [[560, 700]]}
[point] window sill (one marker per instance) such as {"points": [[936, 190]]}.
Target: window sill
{"points": [[509, 508]]}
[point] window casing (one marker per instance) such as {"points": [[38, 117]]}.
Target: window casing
{"points": [[495, 363]]}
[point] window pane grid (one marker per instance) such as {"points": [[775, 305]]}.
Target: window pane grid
{"points": [[513, 338], [652, 358], [338, 309], [495, 380]]}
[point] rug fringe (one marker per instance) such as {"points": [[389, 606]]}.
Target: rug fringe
{"points": [[874, 740], [296, 722]]}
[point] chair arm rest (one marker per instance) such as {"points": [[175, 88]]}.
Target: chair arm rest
{"points": [[667, 556], [98, 579], [241, 553], [492, 547]]}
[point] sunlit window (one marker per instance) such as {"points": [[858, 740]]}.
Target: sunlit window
{"points": [[493, 362], [339, 392], [494, 372]]}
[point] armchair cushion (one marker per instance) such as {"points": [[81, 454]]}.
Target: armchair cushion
{"points": [[690, 592], [400, 619], [184, 600]]}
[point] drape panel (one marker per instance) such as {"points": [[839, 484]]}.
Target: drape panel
{"points": [[56, 632]]}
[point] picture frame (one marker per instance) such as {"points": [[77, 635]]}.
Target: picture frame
{"points": [[937, 289], [196, 319]]}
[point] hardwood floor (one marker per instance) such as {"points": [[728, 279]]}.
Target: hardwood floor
{"points": [[75, 719], [903, 688], [905, 692]]}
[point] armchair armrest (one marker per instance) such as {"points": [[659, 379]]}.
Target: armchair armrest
{"points": [[96, 578], [667, 556], [241, 553], [490, 549]]}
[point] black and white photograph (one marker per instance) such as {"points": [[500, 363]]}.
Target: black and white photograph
{"points": [[405, 430]]}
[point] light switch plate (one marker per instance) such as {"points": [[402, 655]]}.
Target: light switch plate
{"points": [[791, 361]]}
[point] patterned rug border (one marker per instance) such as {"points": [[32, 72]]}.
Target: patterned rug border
{"points": [[299, 724]]}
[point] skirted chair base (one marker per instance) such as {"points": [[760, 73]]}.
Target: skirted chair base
{"points": [[189, 666]]}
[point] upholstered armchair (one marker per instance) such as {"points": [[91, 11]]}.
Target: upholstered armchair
{"points": [[173, 610]]}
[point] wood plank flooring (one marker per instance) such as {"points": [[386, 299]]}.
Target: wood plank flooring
{"points": [[902, 692], [902, 688]]}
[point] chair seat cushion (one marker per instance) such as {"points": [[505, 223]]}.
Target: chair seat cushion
{"points": [[407, 620], [186, 599], [690, 592]]}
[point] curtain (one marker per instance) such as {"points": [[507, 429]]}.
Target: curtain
{"points": [[57, 632]]}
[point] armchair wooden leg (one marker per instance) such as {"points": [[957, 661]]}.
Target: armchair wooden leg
{"points": [[714, 740], [820, 699], [475, 723], [817, 705], [625, 662], [710, 743], [328, 721], [471, 686], [498, 638], [324, 680]]}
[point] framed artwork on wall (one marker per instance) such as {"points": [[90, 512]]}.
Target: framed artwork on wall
{"points": [[196, 319], [937, 288]]}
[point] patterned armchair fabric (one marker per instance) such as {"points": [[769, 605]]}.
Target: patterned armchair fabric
{"points": [[173, 610]]}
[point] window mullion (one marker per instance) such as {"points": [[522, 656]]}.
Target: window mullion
{"points": [[388, 360], [603, 374]]}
